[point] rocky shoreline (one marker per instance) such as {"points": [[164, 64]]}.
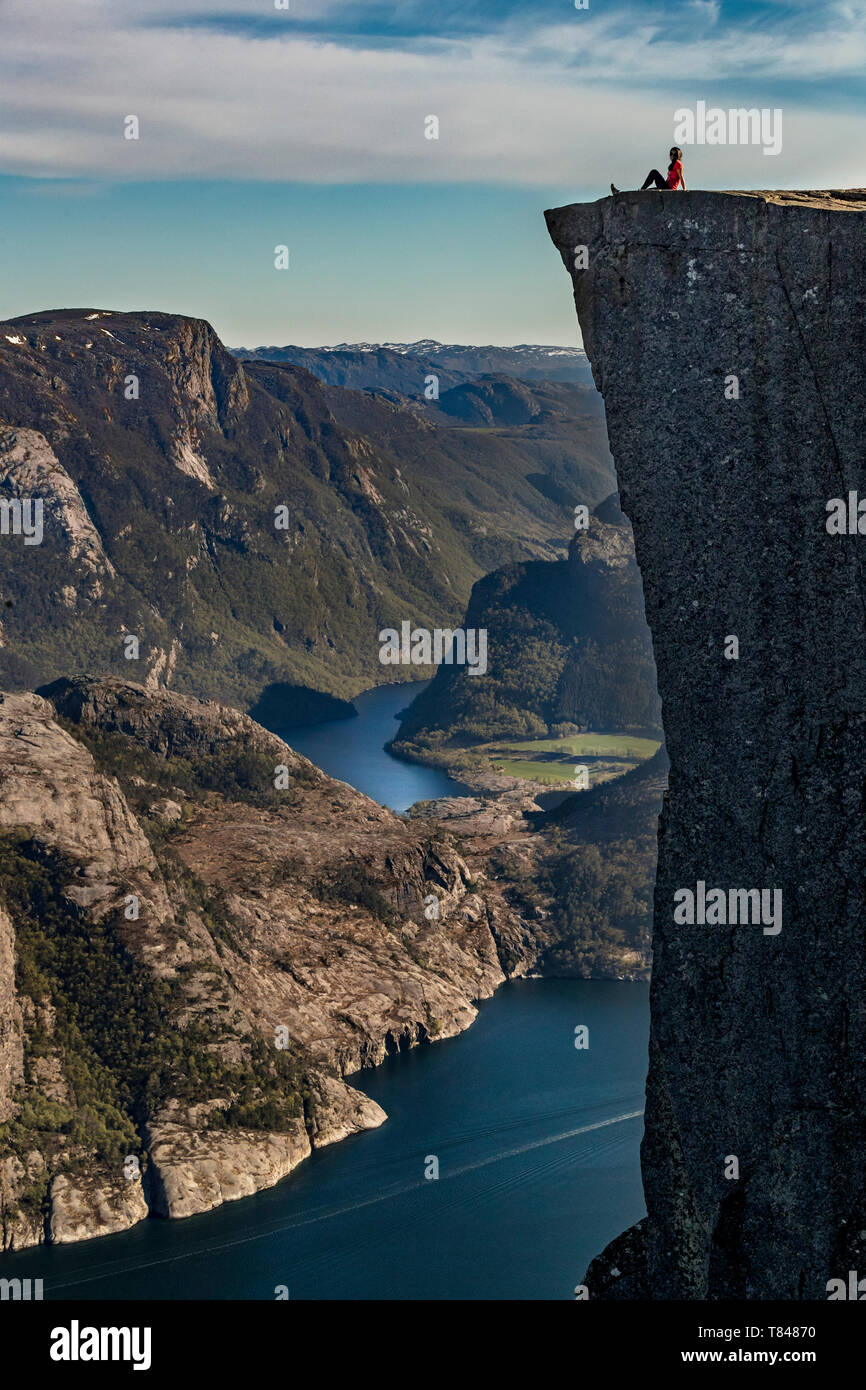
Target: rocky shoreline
{"points": [[358, 932]]}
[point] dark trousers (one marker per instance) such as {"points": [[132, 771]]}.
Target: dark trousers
{"points": [[654, 177]]}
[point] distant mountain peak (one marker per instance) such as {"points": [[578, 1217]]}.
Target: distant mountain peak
{"points": [[430, 347], [396, 365]]}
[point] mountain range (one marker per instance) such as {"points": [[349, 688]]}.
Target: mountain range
{"points": [[387, 364], [247, 524], [178, 887]]}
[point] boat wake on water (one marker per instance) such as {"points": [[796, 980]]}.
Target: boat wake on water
{"points": [[314, 1215]]}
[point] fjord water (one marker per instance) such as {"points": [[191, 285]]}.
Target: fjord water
{"points": [[352, 750], [532, 1181], [536, 1142]]}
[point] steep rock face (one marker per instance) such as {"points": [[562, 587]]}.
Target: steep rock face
{"points": [[89, 1205], [48, 780], [30, 468], [11, 1022], [194, 1172], [338, 1110], [727, 335]]}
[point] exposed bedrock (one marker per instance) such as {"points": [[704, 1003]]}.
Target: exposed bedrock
{"points": [[727, 334], [306, 909]]}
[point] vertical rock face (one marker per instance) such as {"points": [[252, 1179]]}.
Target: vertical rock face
{"points": [[727, 334], [11, 1024]]}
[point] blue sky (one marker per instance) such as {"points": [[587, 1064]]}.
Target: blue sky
{"points": [[306, 127]]}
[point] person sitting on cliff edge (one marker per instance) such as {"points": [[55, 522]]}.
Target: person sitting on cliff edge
{"points": [[674, 179]]}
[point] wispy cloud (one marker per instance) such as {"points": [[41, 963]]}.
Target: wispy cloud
{"points": [[709, 10], [519, 100]]}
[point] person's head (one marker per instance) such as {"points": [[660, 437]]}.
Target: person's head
{"points": [[676, 153]]}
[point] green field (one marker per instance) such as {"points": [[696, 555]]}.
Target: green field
{"points": [[586, 746], [540, 772], [605, 755]]}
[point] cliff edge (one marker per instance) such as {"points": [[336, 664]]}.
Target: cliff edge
{"points": [[727, 335]]}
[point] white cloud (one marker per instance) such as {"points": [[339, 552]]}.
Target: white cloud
{"points": [[577, 102]]}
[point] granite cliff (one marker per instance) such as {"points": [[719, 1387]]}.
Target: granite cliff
{"points": [[727, 335]]}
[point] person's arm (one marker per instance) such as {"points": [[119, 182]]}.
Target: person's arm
{"points": [[683, 180]]}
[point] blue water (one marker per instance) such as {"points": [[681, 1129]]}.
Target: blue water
{"points": [[537, 1147], [532, 1181], [353, 750]]}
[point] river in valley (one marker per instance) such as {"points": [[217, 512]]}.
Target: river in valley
{"points": [[353, 750], [536, 1143]]}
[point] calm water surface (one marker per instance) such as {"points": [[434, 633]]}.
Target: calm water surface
{"points": [[532, 1182], [353, 750]]}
